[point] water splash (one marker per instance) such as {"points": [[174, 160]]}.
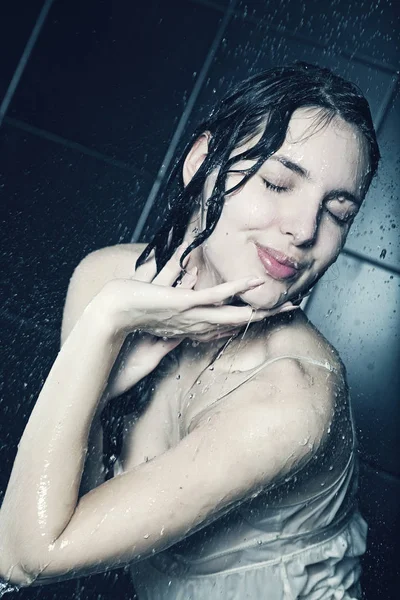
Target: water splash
{"points": [[5, 588]]}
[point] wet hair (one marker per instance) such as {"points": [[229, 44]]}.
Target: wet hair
{"points": [[262, 104]]}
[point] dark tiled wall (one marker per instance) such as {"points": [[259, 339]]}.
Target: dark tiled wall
{"points": [[107, 91]]}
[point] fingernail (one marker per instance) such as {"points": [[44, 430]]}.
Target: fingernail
{"points": [[254, 281], [182, 247], [289, 308]]}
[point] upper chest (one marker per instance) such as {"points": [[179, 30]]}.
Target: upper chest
{"points": [[198, 383]]}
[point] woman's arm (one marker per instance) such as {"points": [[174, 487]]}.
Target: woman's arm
{"points": [[43, 489], [230, 454], [89, 277], [41, 503]]}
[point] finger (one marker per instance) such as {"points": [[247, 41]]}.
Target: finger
{"points": [[148, 270], [189, 279], [172, 268], [165, 345], [235, 316], [223, 291]]}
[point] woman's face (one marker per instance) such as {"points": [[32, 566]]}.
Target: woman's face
{"points": [[288, 223]]}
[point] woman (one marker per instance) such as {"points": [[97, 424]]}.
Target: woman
{"points": [[238, 477]]}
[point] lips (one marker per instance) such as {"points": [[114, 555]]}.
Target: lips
{"points": [[277, 265]]}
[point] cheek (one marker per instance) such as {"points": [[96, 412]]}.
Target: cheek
{"points": [[248, 209], [331, 243]]}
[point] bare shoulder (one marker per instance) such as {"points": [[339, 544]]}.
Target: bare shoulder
{"points": [[314, 377], [90, 276], [301, 338], [305, 372]]}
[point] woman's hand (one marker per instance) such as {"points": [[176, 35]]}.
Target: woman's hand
{"points": [[142, 352], [177, 312]]}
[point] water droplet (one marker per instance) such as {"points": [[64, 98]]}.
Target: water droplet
{"points": [[331, 468], [198, 381], [179, 415], [305, 440], [178, 376], [146, 536], [191, 396], [211, 368]]}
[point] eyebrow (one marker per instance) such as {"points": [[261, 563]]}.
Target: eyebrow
{"points": [[302, 172], [295, 167]]}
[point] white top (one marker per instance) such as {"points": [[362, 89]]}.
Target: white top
{"points": [[266, 549]]}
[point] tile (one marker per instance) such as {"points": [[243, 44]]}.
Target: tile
{"points": [[58, 205], [375, 231], [18, 18], [364, 27], [116, 76], [379, 500], [26, 356], [248, 48], [356, 307]]}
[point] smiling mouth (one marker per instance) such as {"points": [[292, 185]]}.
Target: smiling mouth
{"points": [[276, 265]]}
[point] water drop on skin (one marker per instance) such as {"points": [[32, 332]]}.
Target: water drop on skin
{"points": [[305, 441]]}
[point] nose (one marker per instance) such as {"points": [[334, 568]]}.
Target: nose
{"points": [[301, 223]]}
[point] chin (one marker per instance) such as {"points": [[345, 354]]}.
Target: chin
{"points": [[260, 301]]}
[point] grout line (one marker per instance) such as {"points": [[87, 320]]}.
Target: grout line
{"points": [[361, 257], [53, 137], [182, 122], [377, 469], [289, 33], [386, 103], [371, 261], [210, 4], [24, 59]]}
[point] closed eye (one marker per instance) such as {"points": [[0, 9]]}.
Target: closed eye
{"points": [[275, 188], [342, 210]]}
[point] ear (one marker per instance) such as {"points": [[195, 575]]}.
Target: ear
{"points": [[195, 157]]}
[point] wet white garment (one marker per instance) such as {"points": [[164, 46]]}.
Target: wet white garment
{"points": [[265, 550]]}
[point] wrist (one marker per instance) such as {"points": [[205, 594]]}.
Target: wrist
{"points": [[116, 315], [104, 316]]}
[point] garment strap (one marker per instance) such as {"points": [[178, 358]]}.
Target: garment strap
{"points": [[325, 365]]}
